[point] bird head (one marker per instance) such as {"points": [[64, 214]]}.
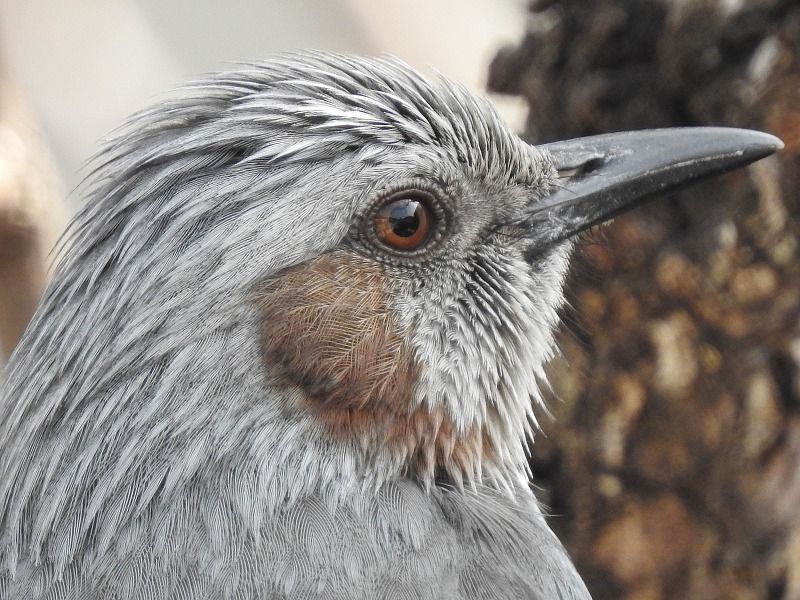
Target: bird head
{"points": [[315, 272]]}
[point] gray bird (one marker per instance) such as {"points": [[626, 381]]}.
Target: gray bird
{"points": [[295, 339]]}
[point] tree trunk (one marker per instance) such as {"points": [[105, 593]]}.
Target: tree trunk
{"points": [[672, 467]]}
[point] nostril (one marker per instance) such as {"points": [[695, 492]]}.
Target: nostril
{"points": [[586, 167]]}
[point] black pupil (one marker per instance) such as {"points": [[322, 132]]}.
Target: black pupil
{"points": [[403, 217]]}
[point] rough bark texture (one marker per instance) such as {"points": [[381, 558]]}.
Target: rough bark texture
{"points": [[672, 467]]}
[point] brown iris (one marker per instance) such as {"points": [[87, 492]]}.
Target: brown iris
{"points": [[403, 223]]}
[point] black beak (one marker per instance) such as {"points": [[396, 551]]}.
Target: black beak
{"points": [[602, 176]]}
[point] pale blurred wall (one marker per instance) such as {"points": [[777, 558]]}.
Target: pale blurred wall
{"points": [[84, 65]]}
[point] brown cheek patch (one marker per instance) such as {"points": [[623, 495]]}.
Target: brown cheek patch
{"points": [[327, 325], [328, 329]]}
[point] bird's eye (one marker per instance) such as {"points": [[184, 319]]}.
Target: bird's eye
{"points": [[404, 221]]}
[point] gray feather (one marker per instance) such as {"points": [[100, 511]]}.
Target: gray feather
{"points": [[144, 450]]}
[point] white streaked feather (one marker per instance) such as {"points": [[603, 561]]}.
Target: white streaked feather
{"points": [[145, 451]]}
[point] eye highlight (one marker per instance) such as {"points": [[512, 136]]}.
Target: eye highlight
{"points": [[403, 222]]}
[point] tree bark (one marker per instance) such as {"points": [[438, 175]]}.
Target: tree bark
{"points": [[672, 466]]}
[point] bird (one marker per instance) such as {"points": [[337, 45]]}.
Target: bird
{"points": [[296, 339]]}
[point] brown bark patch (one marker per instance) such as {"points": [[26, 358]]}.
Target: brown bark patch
{"points": [[647, 540]]}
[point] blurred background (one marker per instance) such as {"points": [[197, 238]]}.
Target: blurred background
{"points": [[672, 467]]}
